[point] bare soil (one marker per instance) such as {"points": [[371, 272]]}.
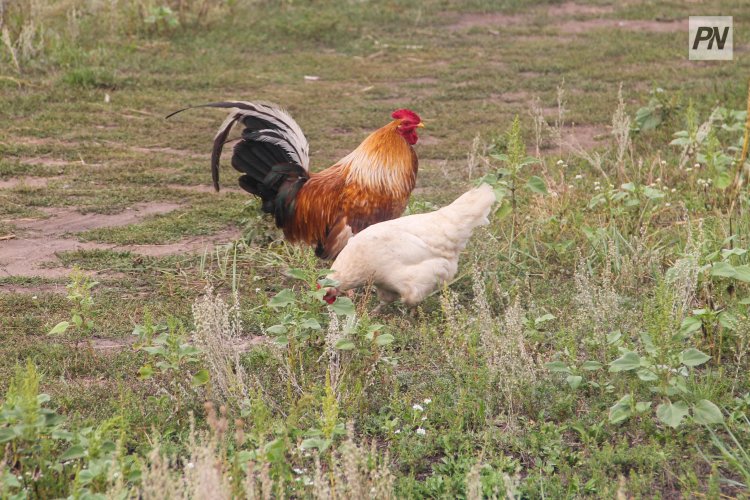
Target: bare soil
{"points": [[40, 240]]}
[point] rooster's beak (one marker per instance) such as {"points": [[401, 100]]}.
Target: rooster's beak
{"points": [[421, 125]]}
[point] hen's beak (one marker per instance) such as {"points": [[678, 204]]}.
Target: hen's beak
{"points": [[421, 125]]}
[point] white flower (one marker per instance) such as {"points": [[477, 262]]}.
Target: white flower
{"points": [[688, 169], [427, 401], [663, 162], [424, 418], [570, 186], [421, 431], [298, 471], [597, 188], [398, 431], [257, 290], [417, 407], [560, 162], [667, 204], [34, 297], [190, 465], [674, 190], [579, 176], [697, 165]]}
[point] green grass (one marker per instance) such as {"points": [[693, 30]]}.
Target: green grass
{"points": [[87, 114]]}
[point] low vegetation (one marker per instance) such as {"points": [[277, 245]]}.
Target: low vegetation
{"points": [[594, 343]]}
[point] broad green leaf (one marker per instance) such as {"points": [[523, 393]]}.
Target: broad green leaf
{"points": [[315, 442], [591, 365], [722, 180], [85, 476], [619, 414], [311, 324], [75, 451], [544, 318], [282, 299], [742, 273], [648, 118], [537, 185], [574, 381], [557, 366], [7, 434], [726, 252], [723, 269], [693, 357], [705, 412], [384, 339], [145, 371], [343, 306], [729, 320], [344, 344], [646, 375], [690, 325], [59, 328], [614, 337], [282, 340], [297, 274], [672, 413], [745, 301], [10, 481], [653, 193], [277, 330], [628, 361], [621, 410], [504, 210], [200, 378], [642, 406]]}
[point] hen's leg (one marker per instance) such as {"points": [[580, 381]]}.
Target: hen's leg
{"points": [[386, 297]]}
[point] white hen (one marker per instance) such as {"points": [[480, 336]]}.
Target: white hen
{"points": [[409, 257]]}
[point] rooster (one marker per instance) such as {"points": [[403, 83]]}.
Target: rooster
{"points": [[369, 185], [408, 258]]}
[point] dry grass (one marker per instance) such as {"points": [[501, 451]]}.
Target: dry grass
{"points": [[218, 330]]}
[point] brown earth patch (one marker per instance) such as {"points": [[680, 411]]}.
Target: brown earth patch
{"points": [[205, 188], [576, 9], [62, 221], [100, 344], [42, 239], [111, 345], [429, 140], [584, 136], [487, 20], [583, 26], [511, 97], [27, 181], [46, 161], [187, 245], [52, 288], [164, 150], [24, 256]]}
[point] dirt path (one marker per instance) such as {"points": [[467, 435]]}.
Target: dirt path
{"points": [[39, 241]]}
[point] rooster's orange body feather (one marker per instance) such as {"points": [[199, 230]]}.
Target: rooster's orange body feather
{"points": [[369, 185]]}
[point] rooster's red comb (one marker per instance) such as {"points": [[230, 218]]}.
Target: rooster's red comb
{"points": [[406, 114]]}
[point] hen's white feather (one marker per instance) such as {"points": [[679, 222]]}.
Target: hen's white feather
{"points": [[411, 256]]}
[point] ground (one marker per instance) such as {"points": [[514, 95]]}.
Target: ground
{"points": [[97, 186]]}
